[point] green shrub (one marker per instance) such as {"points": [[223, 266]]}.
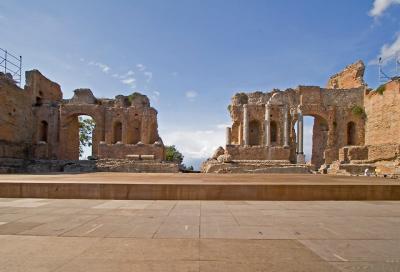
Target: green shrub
{"points": [[173, 155], [358, 111], [381, 89]]}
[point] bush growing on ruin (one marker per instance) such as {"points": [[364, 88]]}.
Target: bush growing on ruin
{"points": [[86, 126], [173, 155], [133, 96], [380, 89], [358, 111]]}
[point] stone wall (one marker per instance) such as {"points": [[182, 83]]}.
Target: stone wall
{"points": [[350, 77], [383, 113], [16, 116], [37, 123], [121, 151], [258, 153]]}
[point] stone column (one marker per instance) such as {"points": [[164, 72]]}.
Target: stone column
{"points": [[245, 125], [267, 124], [228, 135], [300, 154], [285, 126]]}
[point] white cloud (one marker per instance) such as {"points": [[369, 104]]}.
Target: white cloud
{"points": [[388, 51], [141, 67], [130, 81], [148, 75], [380, 6], [223, 126], [191, 95], [194, 145], [103, 67], [154, 96]]}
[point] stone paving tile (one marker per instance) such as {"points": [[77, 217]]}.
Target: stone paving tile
{"points": [[173, 230], [59, 226], [356, 250], [203, 235], [143, 250], [100, 265]]}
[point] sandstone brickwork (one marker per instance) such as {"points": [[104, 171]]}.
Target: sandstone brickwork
{"points": [[263, 123], [36, 123], [351, 77]]}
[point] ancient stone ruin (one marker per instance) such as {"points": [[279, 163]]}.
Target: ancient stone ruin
{"points": [[354, 129], [39, 130]]}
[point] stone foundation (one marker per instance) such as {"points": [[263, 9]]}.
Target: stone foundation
{"points": [[11, 166], [255, 166]]}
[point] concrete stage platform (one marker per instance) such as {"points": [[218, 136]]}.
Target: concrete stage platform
{"points": [[199, 187]]}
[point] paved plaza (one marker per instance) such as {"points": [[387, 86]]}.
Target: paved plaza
{"points": [[133, 235]]}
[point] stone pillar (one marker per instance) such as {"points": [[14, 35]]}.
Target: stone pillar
{"points": [[285, 126], [300, 154], [228, 135], [267, 124], [245, 125]]}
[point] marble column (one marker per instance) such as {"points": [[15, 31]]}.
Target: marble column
{"points": [[245, 125], [285, 126], [228, 136], [300, 154], [267, 124]]}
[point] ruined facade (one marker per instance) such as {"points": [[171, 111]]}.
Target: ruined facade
{"points": [[263, 138], [38, 124]]}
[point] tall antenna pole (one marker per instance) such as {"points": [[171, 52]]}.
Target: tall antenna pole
{"points": [[397, 63], [379, 70]]}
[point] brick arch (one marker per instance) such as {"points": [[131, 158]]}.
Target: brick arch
{"points": [[69, 129], [322, 130]]}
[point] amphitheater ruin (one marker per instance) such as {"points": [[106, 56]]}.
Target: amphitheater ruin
{"points": [[356, 129]]}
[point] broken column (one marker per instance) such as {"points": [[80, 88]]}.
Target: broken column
{"points": [[245, 125], [267, 124], [228, 135], [285, 126], [300, 153]]}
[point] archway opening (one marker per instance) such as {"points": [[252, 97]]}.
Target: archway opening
{"points": [[43, 131], [274, 132], [254, 133], [351, 133], [315, 138], [86, 132], [117, 132]]}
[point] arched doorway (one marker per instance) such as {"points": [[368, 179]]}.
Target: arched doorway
{"points": [[274, 132], [117, 132], [315, 139], [86, 131], [43, 131], [254, 133], [351, 133]]}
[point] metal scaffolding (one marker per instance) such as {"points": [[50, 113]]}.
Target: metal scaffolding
{"points": [[10, 64]]}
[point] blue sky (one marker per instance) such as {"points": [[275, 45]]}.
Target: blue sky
{"points": [[191, 56]]}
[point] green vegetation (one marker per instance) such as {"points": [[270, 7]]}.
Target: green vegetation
{"points": [[133, 96], [381, 89], [229, 108], [358, 111], [86, 127], [242, 97], [173, 155]]}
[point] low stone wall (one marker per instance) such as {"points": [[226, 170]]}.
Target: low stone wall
{"points": [[256, 166], [14, 150], [10, 166], [121, 151], [257, 152], [114, 165]]}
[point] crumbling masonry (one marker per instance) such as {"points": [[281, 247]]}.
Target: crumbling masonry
{"points": [[37, 124], [354, 129]]}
